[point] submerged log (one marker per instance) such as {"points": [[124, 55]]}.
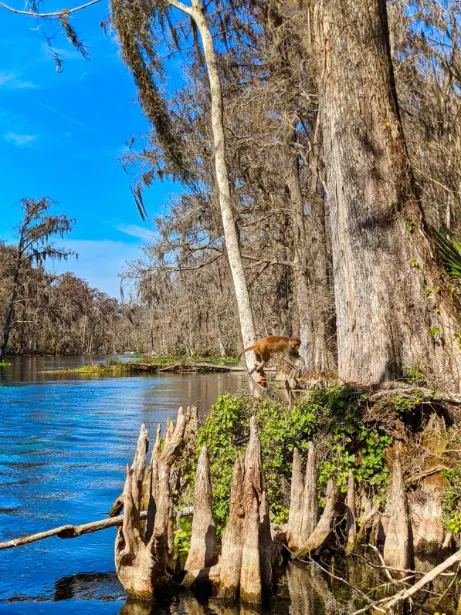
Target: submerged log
{"points": [[141, 550], [351, 529], [324, 526], [232, 539], [397, 546], [202, 551]]}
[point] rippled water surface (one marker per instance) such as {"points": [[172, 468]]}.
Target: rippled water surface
{"points": [[64, 443]]}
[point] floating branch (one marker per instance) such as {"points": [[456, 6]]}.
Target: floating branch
{"points": [[66, 531]]}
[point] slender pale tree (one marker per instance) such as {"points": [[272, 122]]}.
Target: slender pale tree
{"points": [[133, 24], [35, 231]]}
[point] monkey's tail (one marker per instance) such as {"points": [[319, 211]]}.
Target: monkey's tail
{"points": [[246, 350]]}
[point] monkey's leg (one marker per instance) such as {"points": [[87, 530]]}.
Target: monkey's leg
{"points": [[256, 367], [291, 363], [260, 367]]}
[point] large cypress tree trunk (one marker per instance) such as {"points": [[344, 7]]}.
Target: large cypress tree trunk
{"points": [[382, 257], [309, 273]]}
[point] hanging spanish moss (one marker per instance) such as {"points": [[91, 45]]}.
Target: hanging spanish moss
{"points": [[133, 20]]}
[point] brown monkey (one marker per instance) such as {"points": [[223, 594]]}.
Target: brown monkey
{"points": [[268, 346]]}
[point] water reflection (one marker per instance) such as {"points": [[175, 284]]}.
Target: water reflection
{"points": [[87, 586]]}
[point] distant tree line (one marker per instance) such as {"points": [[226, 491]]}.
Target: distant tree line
{"points": [[41, 312]]}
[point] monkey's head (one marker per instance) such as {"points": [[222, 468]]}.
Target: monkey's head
{"points": [[295, 343]]}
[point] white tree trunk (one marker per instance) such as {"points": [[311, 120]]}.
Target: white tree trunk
{"points": [[196, 12]]}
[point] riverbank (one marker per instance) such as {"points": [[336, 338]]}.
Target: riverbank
{"points": [[160, 365]]}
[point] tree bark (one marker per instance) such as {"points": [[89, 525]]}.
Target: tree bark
{"points": [[232, 539], [397, 547], [382, 257], [310, 268], [202, 551]]}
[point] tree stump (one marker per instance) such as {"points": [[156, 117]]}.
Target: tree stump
{"points": [[141, 549], [310, 506], [295, 518], [202, 551], [256, 571], [303, 504], [351, 529], [232, 538], [397, 546], [324, 526], [426, 514]]}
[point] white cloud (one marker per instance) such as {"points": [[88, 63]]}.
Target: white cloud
{"points": [[20, 140], [11, 81], [64, 54], [99, 262], [137, 231]]}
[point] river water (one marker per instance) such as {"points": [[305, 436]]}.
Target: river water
{"points": [[64, 443]]}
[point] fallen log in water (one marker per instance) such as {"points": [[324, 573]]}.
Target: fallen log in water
{"points": [[67, 531]]}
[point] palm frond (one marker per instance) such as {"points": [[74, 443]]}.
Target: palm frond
{"points": [[449, 250]]}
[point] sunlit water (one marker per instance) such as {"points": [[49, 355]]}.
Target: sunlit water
{"points": [[64, 443]]}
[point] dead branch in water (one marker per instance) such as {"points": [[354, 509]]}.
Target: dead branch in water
{"points": [[404, 594]]}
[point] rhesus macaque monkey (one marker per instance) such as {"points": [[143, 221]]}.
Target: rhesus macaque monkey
{"points": [[273, 344]]}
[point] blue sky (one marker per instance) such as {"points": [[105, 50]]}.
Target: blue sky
{"points": [[61, 136]]}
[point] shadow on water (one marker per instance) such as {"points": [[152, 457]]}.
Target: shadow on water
{"points": [[87, 586]]}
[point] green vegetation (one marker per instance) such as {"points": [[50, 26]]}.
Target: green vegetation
{"points": [[111, 366], [415, 375], [452, 499], [4, 364], [449, 250], [196, 358], [332, 417], [114, 366]]}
